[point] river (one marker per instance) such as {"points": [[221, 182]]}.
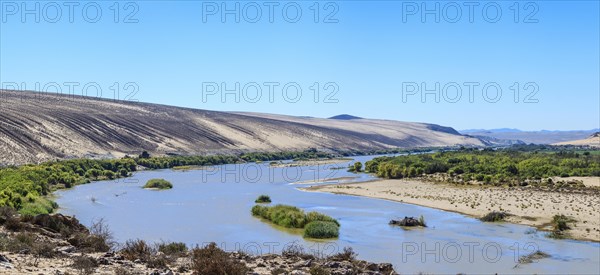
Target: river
{"points": [[213, 205]]}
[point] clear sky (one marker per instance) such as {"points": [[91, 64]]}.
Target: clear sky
{"points": [[368, 58]]}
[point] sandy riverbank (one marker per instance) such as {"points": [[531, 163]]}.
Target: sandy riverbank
{"points": [[529, 206]]}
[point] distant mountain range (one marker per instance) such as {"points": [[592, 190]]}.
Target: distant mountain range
{"points": [[499, 130], [537, 137]]}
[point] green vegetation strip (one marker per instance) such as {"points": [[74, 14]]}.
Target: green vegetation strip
{"points": [[24, 187], [488, 166], [315, 224]]}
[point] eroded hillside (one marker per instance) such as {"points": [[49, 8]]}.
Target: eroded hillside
{"points": [[37, 127]]}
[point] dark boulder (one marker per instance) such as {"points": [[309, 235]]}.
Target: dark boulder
{"points": [[408, 221]]}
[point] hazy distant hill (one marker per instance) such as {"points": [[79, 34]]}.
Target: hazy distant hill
{"points": [[36, 127], [593, 140], [499, 130], [345, 117], [537, 137]]}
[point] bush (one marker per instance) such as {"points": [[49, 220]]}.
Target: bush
{"points": [[318, 270], [10, 219], [98, 239], [158, 184], [321, 230], [316, 216], [560, 222], [294, 249], [494, 216], [347, 254], [293, 217], [283, 215], [85, 264], [263, 199], [38, 206], [20, 242], [212, 260], [173, 248], [136, 249], [356, 167]]}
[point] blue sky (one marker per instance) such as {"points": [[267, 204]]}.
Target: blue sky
{"points": [[369, 53]]}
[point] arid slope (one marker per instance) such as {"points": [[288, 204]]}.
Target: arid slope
{"points": [[37, 127], [593, 141]]}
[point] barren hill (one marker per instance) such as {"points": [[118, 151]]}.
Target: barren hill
{"points": [[593, 141], [37, 127]]}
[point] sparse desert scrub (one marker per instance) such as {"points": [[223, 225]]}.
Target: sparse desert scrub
{"points": [[158, 184], [85, 264], [136, 249], [173, 248], [347, 254], [263, 199], [213, 260], [99, 238]]}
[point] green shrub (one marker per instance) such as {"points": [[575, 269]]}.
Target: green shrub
{"points": [[158, 184], [293, 217], [283, 215], [356, 167], [494, 216], [316, 216], [560, 222], [263, 199], [321, 230], [38, 206]]}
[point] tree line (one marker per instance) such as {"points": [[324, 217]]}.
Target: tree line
{"points": [[489, 166]]}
